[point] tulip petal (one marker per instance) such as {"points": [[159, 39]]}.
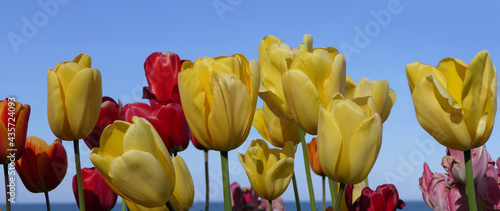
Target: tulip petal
{"points": [[280, 130], [278, 178], [111, 144], [141, 177], [329, 144], [56, 110], [66, 71], [476, 93], [439, 114], [136, 207], [416, 71], [275, 103], [336, 81], [83, 60], [259, 124], [364, 148], [183, 196], [303, 100], [231, 112], [454, 70]]}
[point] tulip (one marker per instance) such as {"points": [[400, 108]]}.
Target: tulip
{"points": [[110, 111], [312, 152], [195, 142], [135, 163], [219, 96], [162, 69], [383, 96], [273, 129], [243, 198], [455, 102], [385, 197], [321, 74], [269, 170], [168, 120], [349, 138], [183, 196], [74, 98], [14, 118], [42, 167], [98, 195], [454, 163]]}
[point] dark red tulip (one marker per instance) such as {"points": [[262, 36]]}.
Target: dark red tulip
{"points": [[385, 197], [162, 69], [168, 120], [196, 143], [98, 195], [110, 111]]}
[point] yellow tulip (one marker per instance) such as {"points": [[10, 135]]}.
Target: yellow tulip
{"points": [[273, 129], [74, 98], [312, 80], [183, 196], [136, 207], [455, 103], [383, 96], [269, 170], [135, 163], [349, 138], [219, 96]]}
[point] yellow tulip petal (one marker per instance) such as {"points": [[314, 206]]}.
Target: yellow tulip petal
{"points": [[260, 125], [416, 71], [302, 99], [454, 70], [349, 115], [231, 113], [277, 105], [280, 130], [183, 196], [349, 87], [65, 72], [255, 84], [477, 91], [336, 81], [136, 207], [278, 178], [78, 103], [83, 60], [95, 99], [55, 106], [307, 43], [111, 144], [329, 144], [440, 115], [103, 165], [364, 148], [389, 104], [139, 175], [255, 171], [193, 104]]}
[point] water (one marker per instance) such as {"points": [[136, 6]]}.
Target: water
{"points": [[199, 206]]}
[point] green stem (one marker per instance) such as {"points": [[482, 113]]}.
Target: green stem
{"points": [[47, 201], [469, 186], [323, 180], [169, 206], [81, 198], [339, 196], [296, 192], [124, 205], [225, 180], [6, 178], [333, 190], [308, 170], [270, 205], [207, 189], [366, 181]]}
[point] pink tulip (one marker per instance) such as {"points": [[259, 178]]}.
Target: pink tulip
{"points": [[278, 205], [454, 163], [434, 189]]}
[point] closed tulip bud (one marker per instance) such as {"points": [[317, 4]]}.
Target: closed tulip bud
{"points": [[98, 195], [74, 98], [162, 69], [269, 170], [219, 96], [312, 153], [110, 111], [135, 163], [14, 118], [42, 167], [454, 102], [321, 74], [349, 138], [383, 96], [274, 129]]}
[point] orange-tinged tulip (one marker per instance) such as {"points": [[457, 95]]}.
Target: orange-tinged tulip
{"points": [[218, 97], [42, 167], [312, 153], [454, 102], [14, 118], [74, 95]]}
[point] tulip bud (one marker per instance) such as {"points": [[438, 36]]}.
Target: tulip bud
{"points": [[14, 118]]}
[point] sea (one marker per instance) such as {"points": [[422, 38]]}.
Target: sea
{"points": [[197, 206]]}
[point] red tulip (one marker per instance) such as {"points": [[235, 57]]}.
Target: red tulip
{"points": [[245, 199], [385, 197], [162, 69], [168, 120], [196, 143], [110, 111], [42, 167], [14, 118], [98, 195]]}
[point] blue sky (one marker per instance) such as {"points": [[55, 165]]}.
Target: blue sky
{"points": [[379, 38]]}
